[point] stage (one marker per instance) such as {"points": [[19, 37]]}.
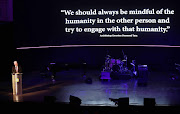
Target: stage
{"points": [[160, 86]]}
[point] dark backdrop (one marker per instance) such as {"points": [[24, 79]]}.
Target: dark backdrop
{"points": [[40, 23]]}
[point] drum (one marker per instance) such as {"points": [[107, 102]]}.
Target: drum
{"points": [[118, 61], [110, 65], [112, 62], [116, 68]]}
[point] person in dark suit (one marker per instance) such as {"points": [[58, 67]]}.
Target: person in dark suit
{"points": [[16, 68]]}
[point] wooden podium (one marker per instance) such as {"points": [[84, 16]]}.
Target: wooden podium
{"points": [[17, 83]]}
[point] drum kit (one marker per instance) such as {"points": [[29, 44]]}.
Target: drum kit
{"points": [[116, 65]]}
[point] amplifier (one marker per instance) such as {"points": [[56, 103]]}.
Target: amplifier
{"points": [[105, 75]]}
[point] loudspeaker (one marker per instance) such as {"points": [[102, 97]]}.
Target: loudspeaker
{"points": [[74, 100], [143, 75], [149, 102], [143, 71], [123, 102], [105, 75]]}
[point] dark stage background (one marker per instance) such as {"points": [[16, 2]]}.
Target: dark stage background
{"points": [[40, 23]]}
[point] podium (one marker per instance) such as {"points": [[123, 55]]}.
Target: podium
{"points": [[17, 83]]}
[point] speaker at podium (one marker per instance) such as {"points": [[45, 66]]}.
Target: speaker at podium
{"points": [[17, 83]]}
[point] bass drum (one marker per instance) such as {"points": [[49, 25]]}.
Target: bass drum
{"points": [[116, 68]]}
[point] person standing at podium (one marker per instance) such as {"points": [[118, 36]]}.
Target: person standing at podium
{"points": [[16, 68]]}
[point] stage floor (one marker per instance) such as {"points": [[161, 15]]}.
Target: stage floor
{"points": [[159, 86]]}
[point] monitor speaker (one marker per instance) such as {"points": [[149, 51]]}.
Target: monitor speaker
{"points": [[149, 102], [123, 102]]}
